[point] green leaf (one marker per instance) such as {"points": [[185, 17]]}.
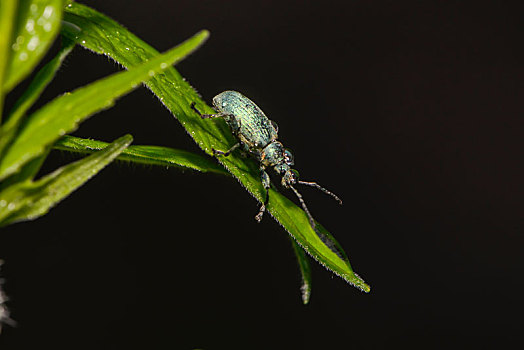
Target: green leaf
{"points": [[103, 35], [305, 270], [31, 94], [150, 155], [64, 113], [28, 200], [38, 22], [27, 172], [7, 22], [164, 156]]}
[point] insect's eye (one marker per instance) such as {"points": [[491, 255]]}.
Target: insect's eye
{"points": [[288, 158]]}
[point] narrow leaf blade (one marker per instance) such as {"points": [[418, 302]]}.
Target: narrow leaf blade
{"points": [[37, 25], [63, 114], [28, 200], [27, 172], [31, 94], [7, 23], [150, 155]]}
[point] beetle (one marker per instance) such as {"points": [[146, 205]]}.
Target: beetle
{"points": [[257, 135]]}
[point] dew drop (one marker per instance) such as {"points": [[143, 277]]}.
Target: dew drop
{"points": [[11, 206], [48, 27], [48, 11], [151, 73], [33, 43], [163, 65], [33, 8], [22, 56], [3, 203], [30, 25]]}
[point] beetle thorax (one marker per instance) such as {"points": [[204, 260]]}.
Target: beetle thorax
{"points": [[272, 154]]}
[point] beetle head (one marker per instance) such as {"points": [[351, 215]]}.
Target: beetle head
{"points": [[218, 102], [286, 161]]}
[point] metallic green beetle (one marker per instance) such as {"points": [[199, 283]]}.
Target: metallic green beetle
{"points": [[258, 136]]}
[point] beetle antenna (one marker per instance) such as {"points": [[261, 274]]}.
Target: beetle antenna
{"points": [[314, 184], [325, 239], [304, 206]]}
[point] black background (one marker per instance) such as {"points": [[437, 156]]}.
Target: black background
{"points": [[411, 111]]}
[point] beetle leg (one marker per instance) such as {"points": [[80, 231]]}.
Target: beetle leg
{"points": [[217, 153], [267, 183], [204, 116], [234, 123]]}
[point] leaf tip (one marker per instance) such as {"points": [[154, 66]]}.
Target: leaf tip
{"points": [[126, 139], [358, 282], [202, 36], [305, 292], [204, 32]]}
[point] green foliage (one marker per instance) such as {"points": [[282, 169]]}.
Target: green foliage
{"points": [[37, 24], [64, 113], [150, 155], [27, 29], [27, 200], [26, 140], [305, 270], [29, 97], [103, 35], [7, 15]]}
